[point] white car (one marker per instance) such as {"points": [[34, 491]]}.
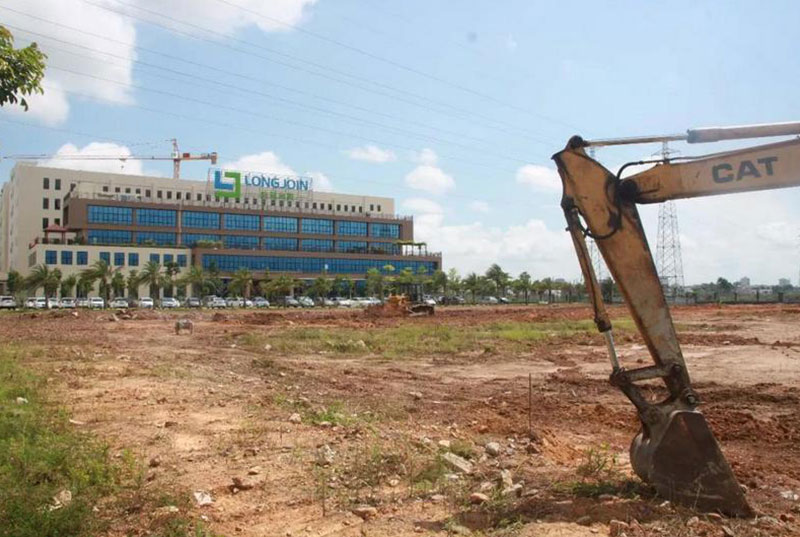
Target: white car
{"points": [[7, 303], [146, 302], [217, 302], [260, 302], [67, 302], [40, 303], [306, 302], [119, 302], [169, 302], [30, 302], [82, 302], [97, 302]]}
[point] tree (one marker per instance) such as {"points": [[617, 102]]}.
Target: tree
{"points": [[374, 282], [68, 284], [453, 282], [15, 282], [199, 281], [241, 283], [321, 287], [101, 272], [171, 269], [347, 286], [132, 284], [724, 285], [499, 277], [85, 284], [524, 284], [118, 284], [439, 281], [338, 285], [21, 70], [471, 284], [42, 276], [151, 275]]}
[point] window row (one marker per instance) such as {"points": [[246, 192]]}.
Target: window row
{"points": [[81, 257], [156, 217], [46, 184], [103, 214], [308, 265]]}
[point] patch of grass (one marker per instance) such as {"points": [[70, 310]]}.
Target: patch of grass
{"points": [[41, 455], [462, 448], [334, 414], [429, 475]]}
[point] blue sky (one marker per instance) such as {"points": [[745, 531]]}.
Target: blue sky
{"points": [[452, 108]]}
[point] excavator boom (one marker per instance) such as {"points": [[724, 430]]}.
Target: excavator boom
{"points": [[675, 449]]}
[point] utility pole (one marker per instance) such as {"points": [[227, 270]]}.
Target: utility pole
{"points": [[669, 261]]}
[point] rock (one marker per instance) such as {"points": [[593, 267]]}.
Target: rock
{"points": [[478, 498], [493, 448], [786, 494], [167, 509], [585, 520], [415, 395], [727, 532], [513, 490], [295, 418], [76, 422], [444, 444], [74, 314], [394, 482], [714, 517], [202, 498], [22, 401], [505, 479], [457, 529], [365, 512], [255, 470], [170, 423], [360, 344], [438, 498], [247, 483], [325, 455], [458, 463], [616, 528], [62, 499], [155, 462], [486, 485], [606, 497], [767, 521], [787, 517], [267, 347], [694, 521]]}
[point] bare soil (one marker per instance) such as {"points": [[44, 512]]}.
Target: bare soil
{"points": [[209, 406]]}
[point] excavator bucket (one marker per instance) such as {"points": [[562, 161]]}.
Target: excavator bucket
{"points": [[682, 460]]}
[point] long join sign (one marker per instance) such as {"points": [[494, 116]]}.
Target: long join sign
{"points": [[228, 183]]}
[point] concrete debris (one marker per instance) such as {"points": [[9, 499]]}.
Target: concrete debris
{"points": [[444, 444], [493, 449], [790, 495], [22, 401], [202, 498], [62, 499], [458, 463], [505, 479], [295, 418], [513, 490], [255, 470], [325, 455]]}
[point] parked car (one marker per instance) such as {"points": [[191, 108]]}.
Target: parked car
{"points": [[289, 302], [192, 302], [170, 302], [234, 302], [305, 302], [343, 302], [248, 303], [30, 302], [68, 302], [504, 300], [218, 302], [260, 302], [119, 302], [328, 302], [97, 302], [490, 300], [146, 302], [82, 302], [8, 303], [40, 303], [428, 301]]}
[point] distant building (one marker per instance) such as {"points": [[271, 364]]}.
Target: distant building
{"points": [[744, 283], [784, 282]]}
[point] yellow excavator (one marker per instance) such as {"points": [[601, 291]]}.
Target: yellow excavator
{"points": [[675, 449]]}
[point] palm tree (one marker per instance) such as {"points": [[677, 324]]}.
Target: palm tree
{"points": [[197, 279], [524, 284], [374, 282], [84, 285], [68, 284], [499, 277], [151, 275], [321, 287], [118, 284], [15, 282], [101, 272], [241, 283], [132, 283], [44, 277], [471, 284], [171, 269]]}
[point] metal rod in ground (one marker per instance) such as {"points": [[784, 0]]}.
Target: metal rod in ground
{"points": [[530, 406]]}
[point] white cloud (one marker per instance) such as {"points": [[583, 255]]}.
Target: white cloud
{"points": [[421, 206], [426, 156], [51, 109], [266, 162], [322, 182], [132, 167], [371, 153], [428, 176], [479, 206], [539, 177]]}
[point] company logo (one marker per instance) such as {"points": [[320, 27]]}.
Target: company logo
{"points": [[227, 184]]}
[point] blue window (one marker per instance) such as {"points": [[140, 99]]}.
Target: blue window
{"points": [[308, 265], [133, 260], [280, 243], [66, 257], [82, 258], [181, 260], [385, 248], [240, 241], [317, 226], [51, 257], [104, 214], [105, 256], [156, 217], [316, 245], [198, 219], [190, 239], [389, 231], [161, 238], [283, 224], [109, 236], [156, 258], [247, 222], [168, 258], [352, 228], [119, 259], [352, 247]]}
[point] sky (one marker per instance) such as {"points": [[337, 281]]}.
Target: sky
{"points": [[451, 108]]}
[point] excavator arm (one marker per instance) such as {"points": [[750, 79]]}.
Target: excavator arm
{"points": [[675, 450]]}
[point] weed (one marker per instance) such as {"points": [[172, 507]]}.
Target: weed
{"points": [[462, 448], [599, 464]]}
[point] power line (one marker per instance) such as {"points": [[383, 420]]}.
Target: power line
{"points": [[393, 63], [461, 113]]}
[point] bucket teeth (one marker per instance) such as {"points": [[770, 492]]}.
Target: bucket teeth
{"points": [[683, 461]]}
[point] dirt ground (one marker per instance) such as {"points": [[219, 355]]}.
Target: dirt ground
{"points": [[202, 409]]}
